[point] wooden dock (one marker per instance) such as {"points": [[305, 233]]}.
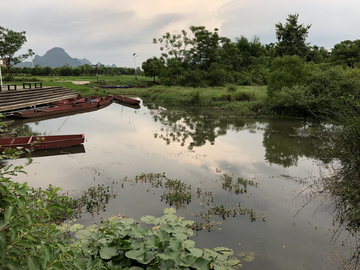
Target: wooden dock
{"points": [[27, 98]]}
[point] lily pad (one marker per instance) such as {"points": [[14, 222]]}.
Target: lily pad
{"points": [[247, 256]]}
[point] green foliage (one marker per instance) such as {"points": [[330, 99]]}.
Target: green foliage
{"points": [[346, 53], [217, 74], [193, 78], [152, 67], [322, 92], [286, 71], [291, 37], [231, 88], [10, 43], [121, 243]]}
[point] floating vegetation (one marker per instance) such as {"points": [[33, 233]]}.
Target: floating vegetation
{"points": [[179, 195], [247, 256], [92, 201], [239, 186], [176, 193], [224, 213]]}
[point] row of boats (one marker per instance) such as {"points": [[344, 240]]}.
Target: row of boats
{"points": [[74, 105], [66, 106]]}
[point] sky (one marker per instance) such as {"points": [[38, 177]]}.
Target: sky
{"points": [[111, 31]]}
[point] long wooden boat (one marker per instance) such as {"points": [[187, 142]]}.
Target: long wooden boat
{"points": [[57, 110], [126, 100], [71, 101], [114, 86], [103, 101], [42, 142]]}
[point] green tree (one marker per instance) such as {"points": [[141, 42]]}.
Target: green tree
{"points": [[174, 46], [153, 67], [346, 53], [292, 37], [206, 46], [10, 43]]}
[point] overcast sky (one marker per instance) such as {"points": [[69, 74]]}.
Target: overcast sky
{"points": [[110, 31]]}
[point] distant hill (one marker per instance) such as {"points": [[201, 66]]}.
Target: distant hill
{"points": [[56, 57]]}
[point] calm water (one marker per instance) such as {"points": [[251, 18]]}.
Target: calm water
{"points": [[197, 147]]}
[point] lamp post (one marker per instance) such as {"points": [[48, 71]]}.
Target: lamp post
{"points": [[135, 55], [97, 72]]}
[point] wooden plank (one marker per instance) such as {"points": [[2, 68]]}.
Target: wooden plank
{"points": [[29, 98]]}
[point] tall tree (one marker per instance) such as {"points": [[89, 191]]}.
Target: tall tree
{"points": [[152, 67], [174, 46], [10, 43], [205, 46], [346, 53], [291, 37]]}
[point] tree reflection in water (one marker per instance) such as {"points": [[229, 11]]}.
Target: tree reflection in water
{"points": [[285, 142]]}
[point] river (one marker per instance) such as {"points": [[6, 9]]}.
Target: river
{"points": [[286, 226]]}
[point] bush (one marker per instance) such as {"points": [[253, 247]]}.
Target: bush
{"points": [[244, 96], [231, 88], [286, 71]]}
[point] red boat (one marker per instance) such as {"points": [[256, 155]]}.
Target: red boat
{"points": [[42, 142], [71, 101], [103, 101], [57, 110], [126, 100]]}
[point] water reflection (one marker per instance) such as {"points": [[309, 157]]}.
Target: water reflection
{"points": [[198, 148], [285, 141]]}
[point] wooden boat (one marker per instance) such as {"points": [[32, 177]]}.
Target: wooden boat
{"points": [[138, 86], [42, 142], [71, 101], [103, 101], [57, 110], [114, 86], [126, 99]]}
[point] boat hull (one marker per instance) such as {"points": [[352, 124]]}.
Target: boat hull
{"points": [[56, 110], [42, 142], [126, 100]]}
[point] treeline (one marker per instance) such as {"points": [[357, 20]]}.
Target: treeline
{"points": [[207, 59], [69, 71]]}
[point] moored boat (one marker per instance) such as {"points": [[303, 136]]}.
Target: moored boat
{"points": [[73, 101], [102, 101], [42, 142], [56, 110], [126, 99]]}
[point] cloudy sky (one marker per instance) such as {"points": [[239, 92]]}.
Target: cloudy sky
{"points": [[110, 31]]}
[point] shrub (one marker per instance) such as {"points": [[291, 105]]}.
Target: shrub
{"points": [[231, 88], [286, 71]]}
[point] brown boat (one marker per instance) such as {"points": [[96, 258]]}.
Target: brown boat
{"points": [[57, 110], [71, 101], [42, 142], [102, 101], [126, 100]]}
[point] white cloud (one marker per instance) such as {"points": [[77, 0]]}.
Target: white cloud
{"points": [[110, 31]]}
